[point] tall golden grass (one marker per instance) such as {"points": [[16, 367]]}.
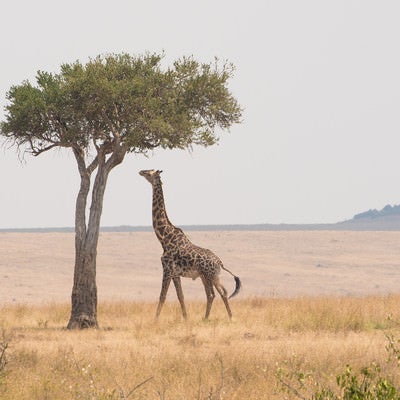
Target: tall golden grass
{"points": [[132, 356]]}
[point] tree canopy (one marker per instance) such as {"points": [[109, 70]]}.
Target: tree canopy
{"points": [[125, 98]]}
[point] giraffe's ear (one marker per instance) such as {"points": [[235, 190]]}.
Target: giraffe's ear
{"points": [[159, 171]]}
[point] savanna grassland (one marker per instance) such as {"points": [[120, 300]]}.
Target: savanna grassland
{"points": [[311, 304], [132, 356]]}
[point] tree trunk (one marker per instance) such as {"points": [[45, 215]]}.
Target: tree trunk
{"points": [[84, 291]]}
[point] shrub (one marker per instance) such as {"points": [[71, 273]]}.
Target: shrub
{"points": [[369, 383]]}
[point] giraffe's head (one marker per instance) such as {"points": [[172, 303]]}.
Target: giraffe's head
{"points": [[150, 174]]}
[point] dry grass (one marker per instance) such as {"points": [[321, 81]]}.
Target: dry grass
{"points": [[134, 357]]}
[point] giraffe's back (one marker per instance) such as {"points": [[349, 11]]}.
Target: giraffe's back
{"points": [[190, 260], [194, 261]]}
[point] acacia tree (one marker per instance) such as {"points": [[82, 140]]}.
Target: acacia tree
{"points": [[104, 109]]}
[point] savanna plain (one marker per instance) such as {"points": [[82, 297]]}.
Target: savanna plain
{"points": [[313, 305]]}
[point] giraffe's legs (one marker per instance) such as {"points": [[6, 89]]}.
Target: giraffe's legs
{"points": [[208, 286], [179, 293], [224, 295], [163, 294]]}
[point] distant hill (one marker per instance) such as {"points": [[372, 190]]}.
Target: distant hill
{"points": [[387, 211], [387, 219]]}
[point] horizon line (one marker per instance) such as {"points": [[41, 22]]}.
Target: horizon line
{"points": [[365, 224]]}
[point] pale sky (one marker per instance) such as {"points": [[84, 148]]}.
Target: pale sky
{"points": [[319, 82]]}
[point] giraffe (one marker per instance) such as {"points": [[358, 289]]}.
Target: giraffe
{"points": [[181, 258]]}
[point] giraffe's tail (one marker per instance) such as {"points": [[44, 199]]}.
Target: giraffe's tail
{"points": [[237, 281], [238, 286]]}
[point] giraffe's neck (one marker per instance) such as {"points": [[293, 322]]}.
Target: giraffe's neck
{"points": [[161, 223]]}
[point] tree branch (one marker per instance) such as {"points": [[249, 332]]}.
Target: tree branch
{"points": [[36, 152], [117, 156], [114, 131], [80, 159], [93, 165], [117, 116], [80, 210]]}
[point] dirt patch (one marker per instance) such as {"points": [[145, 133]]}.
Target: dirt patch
{"points": [[38, 267]]}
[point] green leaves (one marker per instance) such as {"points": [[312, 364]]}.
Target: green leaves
{"points": [[369, 383], [124, 97]]}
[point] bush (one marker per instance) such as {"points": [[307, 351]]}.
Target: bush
{"points": [[368, 383]]}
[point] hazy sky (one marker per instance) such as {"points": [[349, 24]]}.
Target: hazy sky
{"points": [[319, 81]]}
